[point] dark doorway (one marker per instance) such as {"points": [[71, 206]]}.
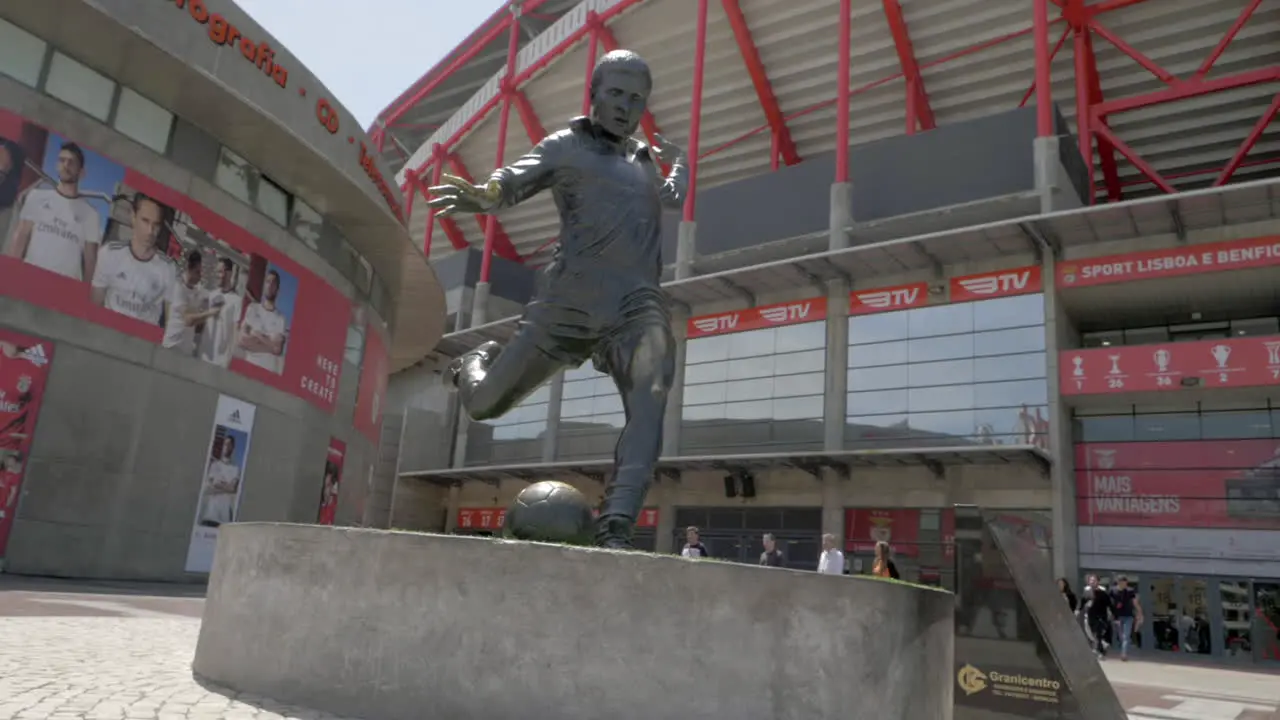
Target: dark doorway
{"points": [[736, 534]]}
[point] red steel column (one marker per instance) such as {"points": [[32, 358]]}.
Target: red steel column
{"points": [[695, 111], [843, 92], [593, 49], [1044, 87], [507, 88], [409, 190], [436, 171]]}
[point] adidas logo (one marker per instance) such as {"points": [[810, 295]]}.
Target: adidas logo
{"points": [[35, 355], [235, 417]]}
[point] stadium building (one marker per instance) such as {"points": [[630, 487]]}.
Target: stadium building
{"points": [[999, 253], [204, 276]]}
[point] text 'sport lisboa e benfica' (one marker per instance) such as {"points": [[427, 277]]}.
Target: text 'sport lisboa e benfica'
{"points": [[1003, 275]]}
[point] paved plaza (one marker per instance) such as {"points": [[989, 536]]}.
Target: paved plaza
{"points": [[72, 651]]}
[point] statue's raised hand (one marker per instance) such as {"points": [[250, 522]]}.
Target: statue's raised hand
{"points": [[459, 196], [666, 151]]}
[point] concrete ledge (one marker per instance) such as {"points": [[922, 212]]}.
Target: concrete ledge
{"points": [[405, 626]]}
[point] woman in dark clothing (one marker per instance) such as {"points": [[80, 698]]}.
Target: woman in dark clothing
{"points": [[1064, 587], [884, 566]]}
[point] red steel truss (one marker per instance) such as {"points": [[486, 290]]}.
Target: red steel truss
{"points": [[784, 147], [1081, 23], [1093, 110], [919, 114]]}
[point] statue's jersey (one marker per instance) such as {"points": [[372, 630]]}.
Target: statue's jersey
{"points": [[610, 197], [605, 279]]}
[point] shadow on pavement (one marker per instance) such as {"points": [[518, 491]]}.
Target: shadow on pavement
{"points": [[20, 583]]}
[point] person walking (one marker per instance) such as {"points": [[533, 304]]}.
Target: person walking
{"points": [[831, 562], [884, 565], [1064, 587], [1127, 610], [1096, 607]]}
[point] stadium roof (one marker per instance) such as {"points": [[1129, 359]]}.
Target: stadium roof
{"points": [[1186, 89]]}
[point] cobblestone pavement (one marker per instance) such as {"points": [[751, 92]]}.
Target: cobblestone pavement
{"points": [[77, 656], [71, 651]]}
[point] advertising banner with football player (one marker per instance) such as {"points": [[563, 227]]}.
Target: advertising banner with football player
{"points": [[373, 385], [24, 368], [221, 480], [332, 480], [87, 237]]}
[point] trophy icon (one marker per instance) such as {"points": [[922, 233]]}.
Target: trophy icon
{"points": [[1221, 353], [1115, 364], [1078, 362], [1273, 352], [1161, 358]]}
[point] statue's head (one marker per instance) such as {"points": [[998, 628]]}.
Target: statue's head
{"points": [[620, 85]]}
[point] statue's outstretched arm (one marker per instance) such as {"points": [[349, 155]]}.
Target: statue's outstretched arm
{"points": [[506, 187]]}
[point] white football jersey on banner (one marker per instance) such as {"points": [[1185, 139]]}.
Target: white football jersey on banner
{"points": [[265, 322], [220, 330], [137, 288], [182, 300], [61, 227]]}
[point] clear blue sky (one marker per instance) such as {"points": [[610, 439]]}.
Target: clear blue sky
{"points": [[368, 52]]}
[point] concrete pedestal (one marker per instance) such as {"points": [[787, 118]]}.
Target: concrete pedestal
{"points": [[404, 626]]}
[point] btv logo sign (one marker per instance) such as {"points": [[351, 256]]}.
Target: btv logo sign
{"points": [[894, 298], [997, 284], [786, 313], [715, 324]]}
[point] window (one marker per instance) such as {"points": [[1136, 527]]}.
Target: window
{"points": [[591, 415], [248, 185], [272, 201], [305, 224], [21, 54], [949, 374], [755, 388], [80, 87], [514, 437], [143, 120], [236, 176]]}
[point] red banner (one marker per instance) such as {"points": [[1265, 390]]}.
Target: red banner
{"points": [[1171, 262], [24, 369], [788, 313], [1211, 484], [493, 518], [1002, 283], [332, 481], [1238, 362], [84, 236], [898, 297], [373, 385], [898, 527]]}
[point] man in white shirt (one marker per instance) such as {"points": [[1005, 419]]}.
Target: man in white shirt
{"points": [[221, 484], [224, 322], [187, 308], [831, 561], [57, 229], [263, 330], [136, 279]]}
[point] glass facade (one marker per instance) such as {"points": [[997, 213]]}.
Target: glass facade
{"points": [[755, 391], [591, 415], [516, 437], [1192, 421], [949, 375]]}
